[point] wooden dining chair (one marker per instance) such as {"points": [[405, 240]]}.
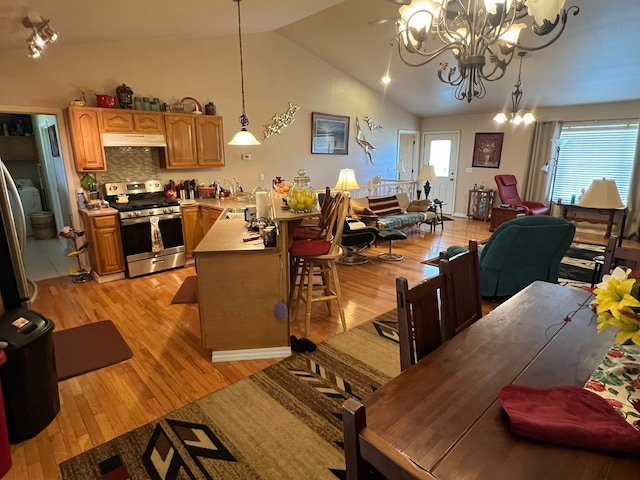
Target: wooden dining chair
{"points": [[616, 255], [364, 449], [422, 310], [462, 274]]}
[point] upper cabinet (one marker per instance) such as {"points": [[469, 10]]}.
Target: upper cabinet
{"points": [[193, 141], [131, 121], [86, 138], [18, 148]]}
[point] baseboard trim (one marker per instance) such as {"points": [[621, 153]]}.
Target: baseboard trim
{"points": [[250, 354]]}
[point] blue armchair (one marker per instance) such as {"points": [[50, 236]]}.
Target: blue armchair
{"points": [[520, 252]]}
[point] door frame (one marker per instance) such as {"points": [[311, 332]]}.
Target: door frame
{"points": [[454, 166], [65, 147]]}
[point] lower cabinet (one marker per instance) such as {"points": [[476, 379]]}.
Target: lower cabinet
{"points": [[106, 255], [191, 229], [196, 222]]}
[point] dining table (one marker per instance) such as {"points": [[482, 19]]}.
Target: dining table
{"points": [[444, 412]]}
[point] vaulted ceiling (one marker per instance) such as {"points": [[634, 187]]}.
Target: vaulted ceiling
{"points": [[596, 60]]}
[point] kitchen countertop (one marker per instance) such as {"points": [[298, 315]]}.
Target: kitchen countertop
{"points": [[217, 203], [99, 212], [226, 236]]}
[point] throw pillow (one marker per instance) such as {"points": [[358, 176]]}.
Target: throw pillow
{"points": [[358, 210], [419, 206], [384, 205]]}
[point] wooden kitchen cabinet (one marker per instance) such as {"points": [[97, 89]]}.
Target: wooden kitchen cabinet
{"points": [[191, 229], [193, 141], [18, 148], [209, 216], [181, 141], [86, 139], [106, 255], [131, 121], [210, 141]]}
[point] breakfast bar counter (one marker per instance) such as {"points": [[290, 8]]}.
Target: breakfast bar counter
{"points": [[239, 288]]}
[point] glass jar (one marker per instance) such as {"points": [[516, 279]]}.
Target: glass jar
{"points": [[301, 197]]}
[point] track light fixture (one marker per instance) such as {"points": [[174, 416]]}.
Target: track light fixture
{"points": [[41, 36]]}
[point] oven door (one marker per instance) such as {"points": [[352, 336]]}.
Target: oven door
{"points": [[136, 236]]}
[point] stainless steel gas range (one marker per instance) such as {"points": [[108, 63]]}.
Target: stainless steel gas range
{"points": [[150, 225]]}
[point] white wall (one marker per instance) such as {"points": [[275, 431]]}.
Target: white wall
{"points": [[516, 143], [276, 72]]}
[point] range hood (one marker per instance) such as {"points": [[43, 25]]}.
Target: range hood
{"points": [[133, 140]]}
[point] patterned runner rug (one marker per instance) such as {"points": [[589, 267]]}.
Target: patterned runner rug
{"points": [[281, 423]]}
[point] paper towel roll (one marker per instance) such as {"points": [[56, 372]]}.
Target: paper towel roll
{"points": [[262, 210]]}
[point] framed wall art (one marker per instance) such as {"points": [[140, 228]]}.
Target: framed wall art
{"points": [[329, 134], [487, 150]]}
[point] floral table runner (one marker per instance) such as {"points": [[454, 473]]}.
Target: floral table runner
{"points": [[617, 380]]}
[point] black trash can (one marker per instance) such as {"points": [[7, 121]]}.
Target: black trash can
{"points": [[29, 380]]}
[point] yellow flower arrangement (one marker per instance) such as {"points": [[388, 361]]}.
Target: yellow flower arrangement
{"points": [[616, 298]]}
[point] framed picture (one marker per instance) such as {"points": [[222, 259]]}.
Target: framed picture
{"points": [[329, 134], [487, 150], [53, 140]]}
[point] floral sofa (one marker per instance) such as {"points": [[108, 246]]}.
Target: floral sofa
{"points": [[392, 212]]}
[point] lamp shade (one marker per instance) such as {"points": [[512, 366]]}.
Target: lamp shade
{"points": [[427, 174], [244, 137], [347, 180], [400, 166], [602, 194]]}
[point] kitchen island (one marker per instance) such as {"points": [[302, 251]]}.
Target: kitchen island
{"points": [[243, 288]]}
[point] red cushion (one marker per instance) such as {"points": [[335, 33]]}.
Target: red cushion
{"points": [[309, 248], [568, 416], [306, 233]]}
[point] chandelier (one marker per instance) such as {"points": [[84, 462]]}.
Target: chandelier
{"points": [[41, 36], [481, 34], [517, 115]]}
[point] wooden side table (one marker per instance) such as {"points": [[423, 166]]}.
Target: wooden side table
{"points": [[499, 215], [437, 220]]}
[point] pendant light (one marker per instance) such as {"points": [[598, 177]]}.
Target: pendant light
{"points": [[243, 137]]}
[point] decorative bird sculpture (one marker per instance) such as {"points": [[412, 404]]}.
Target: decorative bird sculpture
{"points": [[366, 146], [372, 126]]}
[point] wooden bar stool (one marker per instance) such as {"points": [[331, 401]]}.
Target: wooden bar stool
{"points": [[318, 258]]}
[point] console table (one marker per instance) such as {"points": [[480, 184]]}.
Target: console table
{"points": [[606, 216]]}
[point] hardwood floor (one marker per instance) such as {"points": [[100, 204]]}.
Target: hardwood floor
{"points": [[170, 368]]}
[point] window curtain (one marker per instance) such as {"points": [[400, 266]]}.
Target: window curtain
{"points": [[539, 169], [632, 228]]}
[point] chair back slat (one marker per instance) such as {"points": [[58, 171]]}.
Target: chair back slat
{"points": [[616, 255], [462, 274], [421, 310]]}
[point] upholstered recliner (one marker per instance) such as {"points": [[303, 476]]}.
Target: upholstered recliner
{"points": [[508, 191], [520, 252]]}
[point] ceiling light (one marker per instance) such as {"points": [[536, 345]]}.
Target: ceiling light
{"points": [[386, 79], [243, 137], [482, 35], [517, 115], [42, 35]]}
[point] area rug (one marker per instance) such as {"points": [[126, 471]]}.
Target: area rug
{"points": [[188, 291], [576, 268], [281, 423], [88, 347]]}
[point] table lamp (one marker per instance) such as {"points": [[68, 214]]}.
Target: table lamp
{"points": [[400, 168], [347, 181], [427, 175], [601, 194]]}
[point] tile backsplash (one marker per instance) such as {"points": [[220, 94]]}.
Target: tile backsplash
{"points": [[130, 163]]}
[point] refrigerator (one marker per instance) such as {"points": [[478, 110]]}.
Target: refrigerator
{"points": [[15, 288]]}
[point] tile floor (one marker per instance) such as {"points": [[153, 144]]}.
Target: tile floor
{"points": [[48, 258]]}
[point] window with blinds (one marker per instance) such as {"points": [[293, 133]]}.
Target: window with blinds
{"points": [[602, 149]]}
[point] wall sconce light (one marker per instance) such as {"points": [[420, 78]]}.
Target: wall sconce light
{"points": [[41, 36]]}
